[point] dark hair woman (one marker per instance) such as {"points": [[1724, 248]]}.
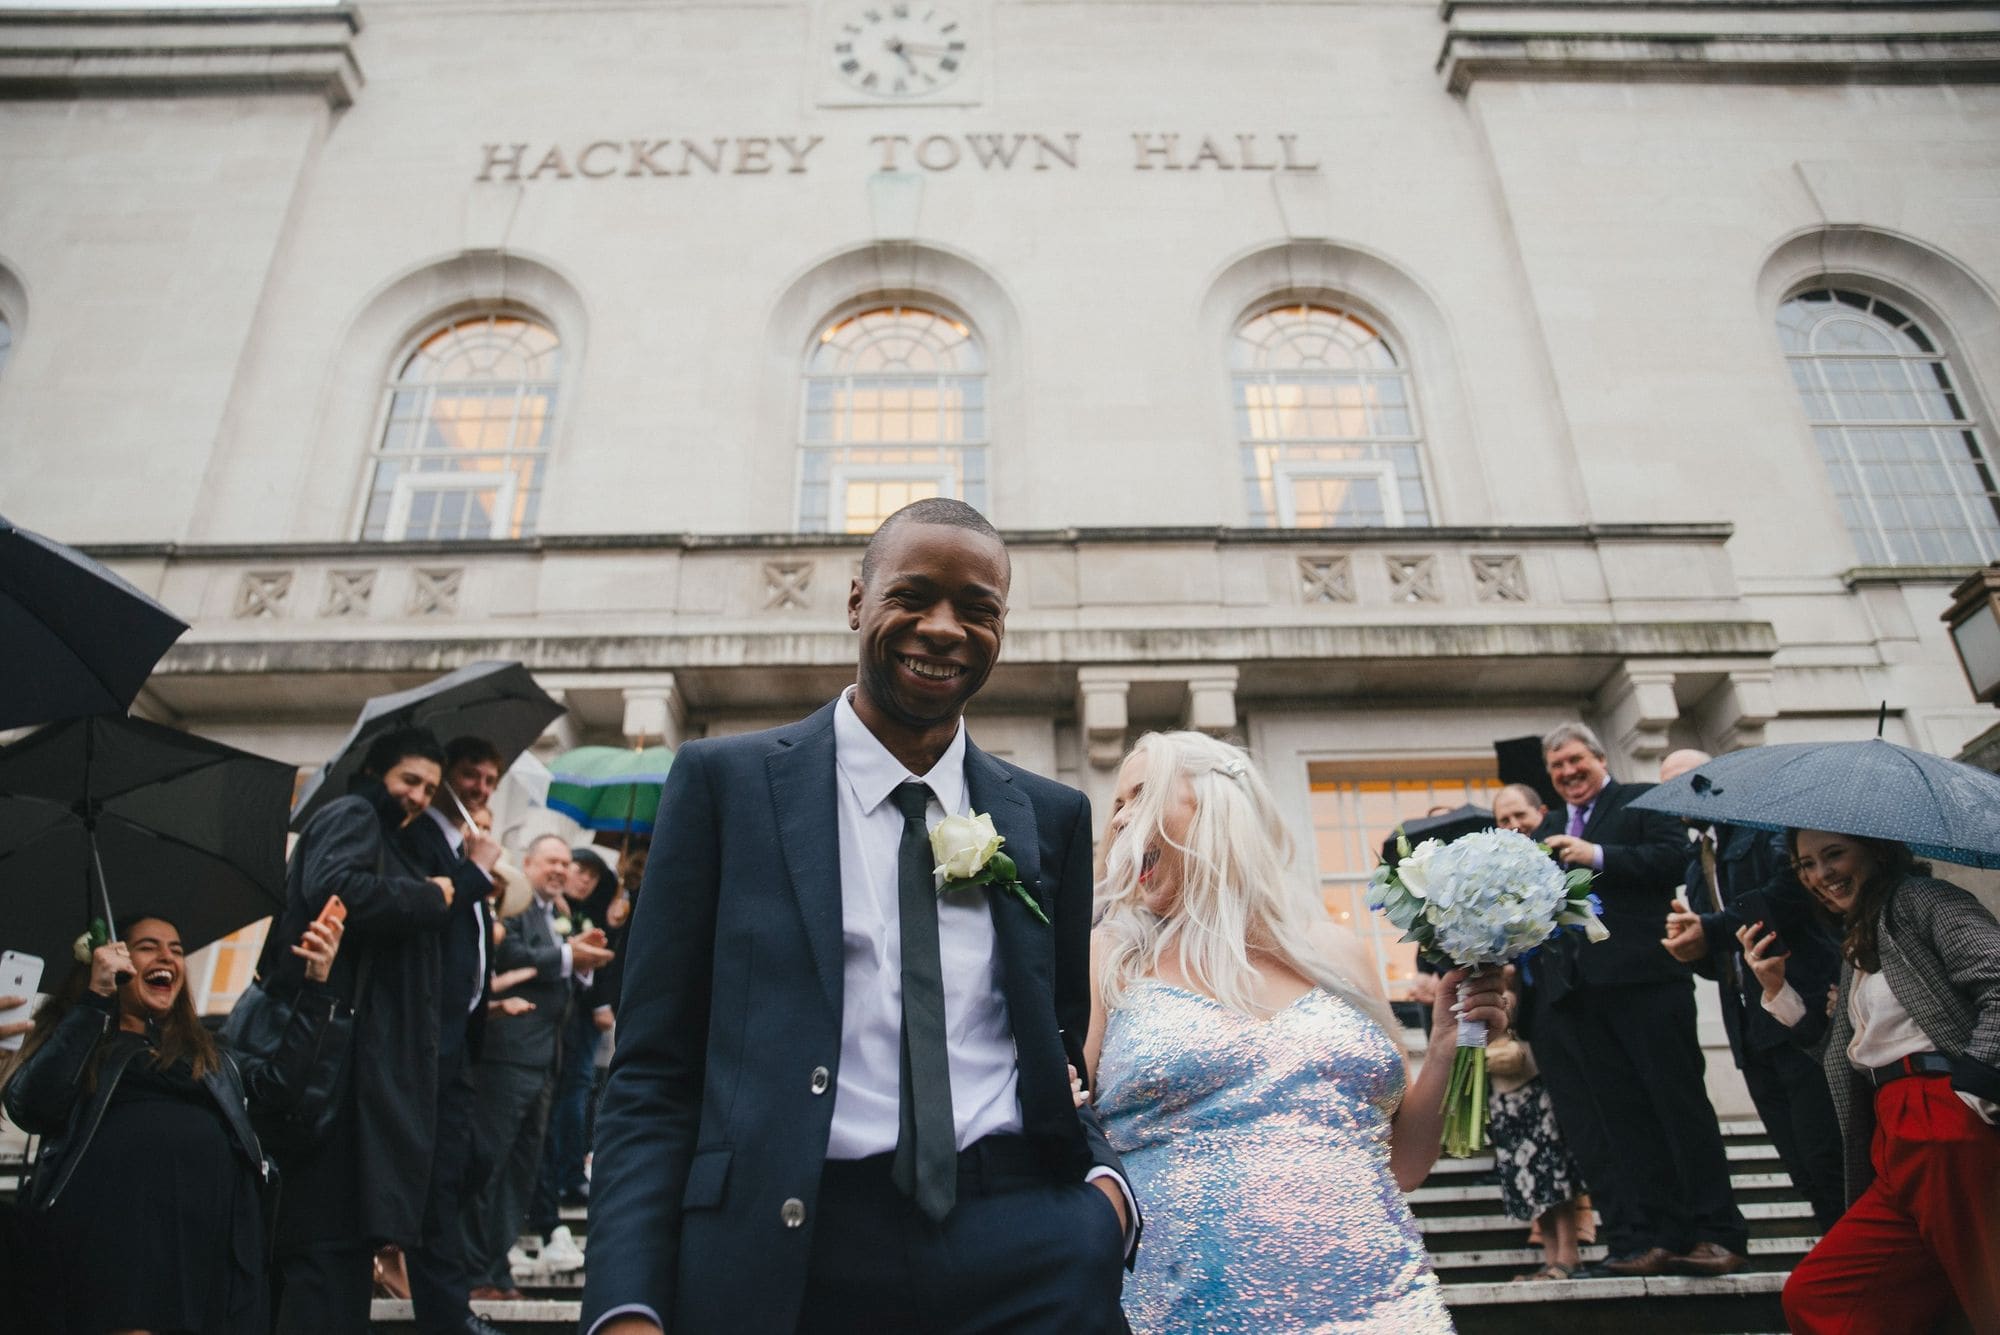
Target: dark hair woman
{"points": [[1912, 1057], [147, 1184]]}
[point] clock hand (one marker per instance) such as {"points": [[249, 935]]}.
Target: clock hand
{"points": [[923, 49], [896, 48]]}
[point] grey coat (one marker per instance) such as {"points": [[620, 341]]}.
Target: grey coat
{"points": [[1940, 952]]}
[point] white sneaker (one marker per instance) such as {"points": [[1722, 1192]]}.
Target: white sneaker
{"points": [[518, 1259], [560, 1252]]}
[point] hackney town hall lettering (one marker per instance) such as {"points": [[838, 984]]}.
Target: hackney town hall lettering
{"points": [[795, 155]]}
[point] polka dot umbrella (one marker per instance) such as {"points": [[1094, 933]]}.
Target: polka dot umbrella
{"points": [[1940, 808]]}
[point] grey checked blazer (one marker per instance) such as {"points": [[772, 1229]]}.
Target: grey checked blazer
{"points": [[1940, 953]]}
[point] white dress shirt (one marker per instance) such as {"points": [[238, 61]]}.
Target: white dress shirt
{"points": [[979, 1039], [456, 838], [1883, 1030]]}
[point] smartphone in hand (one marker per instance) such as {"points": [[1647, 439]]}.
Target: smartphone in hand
{"points": [[20, 976], [334, 911]]}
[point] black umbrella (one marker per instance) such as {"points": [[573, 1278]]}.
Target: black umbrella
{"points": [[74, 638], [1940, 808], [1446, 825], [497, 701], [168, 822]]}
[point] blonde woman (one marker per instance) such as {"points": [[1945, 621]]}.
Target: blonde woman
{"points": [[1247, 1069]]}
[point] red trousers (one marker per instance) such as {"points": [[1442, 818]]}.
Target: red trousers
{"points": [[1925, 1233]]}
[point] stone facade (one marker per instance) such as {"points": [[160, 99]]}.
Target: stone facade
{"points": [[221, 230]]}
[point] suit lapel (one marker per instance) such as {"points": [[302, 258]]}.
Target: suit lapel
{"points": [[1027, 958], [802, 778]]}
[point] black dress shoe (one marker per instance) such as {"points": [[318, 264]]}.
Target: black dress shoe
{"points": [[1652, 1261], [474, 1326]]}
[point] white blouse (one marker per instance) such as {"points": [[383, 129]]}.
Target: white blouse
{"points": [[1883, 1030]]}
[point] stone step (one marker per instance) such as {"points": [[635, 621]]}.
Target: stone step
{"points": [[1441, 1198], [1766, 1219], [1669, 1305], [1498, 1264]]}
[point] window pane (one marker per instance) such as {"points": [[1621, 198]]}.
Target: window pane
{"points": [[1314, 383], [1912, 485], [475, 398], [891, 387]]}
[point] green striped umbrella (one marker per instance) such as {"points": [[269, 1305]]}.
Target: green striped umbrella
{"points": [[610, 787]]}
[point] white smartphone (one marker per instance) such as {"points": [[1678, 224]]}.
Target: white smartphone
{"points": [[20, 976]]}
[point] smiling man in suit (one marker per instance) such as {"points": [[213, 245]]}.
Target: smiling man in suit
{"points": [[840, 1099], [1613, 1027]]}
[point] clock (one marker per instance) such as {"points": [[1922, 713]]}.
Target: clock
{"points": [[899, 50]]}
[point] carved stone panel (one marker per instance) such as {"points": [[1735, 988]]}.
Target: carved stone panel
{"points": [[1413, 579], [787, 585], [262, 594], [434, 593], [1499, 579], [347, 593], [1326, 579]]}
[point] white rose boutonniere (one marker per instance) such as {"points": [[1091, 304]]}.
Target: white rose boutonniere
{"points": [[968, 852], [564, 927]]}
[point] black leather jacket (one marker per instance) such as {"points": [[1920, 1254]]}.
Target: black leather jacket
{"points": [[46, 1095]]}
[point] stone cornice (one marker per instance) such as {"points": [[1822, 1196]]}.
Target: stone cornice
{"points": [[1730, 41], [57, 53], [1209, 644], [1535, 535]]}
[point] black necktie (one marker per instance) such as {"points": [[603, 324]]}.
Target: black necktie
{"points": [[926, 1167]]}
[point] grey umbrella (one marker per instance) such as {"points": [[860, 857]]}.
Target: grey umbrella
{"points": [[495, 700], [176, 825], [74, 638], [1940, 808]]}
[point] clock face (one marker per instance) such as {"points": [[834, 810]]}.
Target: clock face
{"points": [[899, 50]]}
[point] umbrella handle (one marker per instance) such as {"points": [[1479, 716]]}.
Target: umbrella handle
{"points": [[104, 893]]}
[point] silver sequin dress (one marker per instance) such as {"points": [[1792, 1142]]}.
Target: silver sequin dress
{"points": [[1259, 1151]]}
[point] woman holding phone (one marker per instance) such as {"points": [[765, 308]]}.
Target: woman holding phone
{"points": [[1912, 1057], [146, 1191]]}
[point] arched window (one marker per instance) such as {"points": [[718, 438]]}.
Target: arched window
{"points": [[894, 410], [1326, 422], [1898, 438], [466, 433]]}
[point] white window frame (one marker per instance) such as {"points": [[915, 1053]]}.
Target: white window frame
{"points": [[1284, 472], [839, 475], [396, 527]]}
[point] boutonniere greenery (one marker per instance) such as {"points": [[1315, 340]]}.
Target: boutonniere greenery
{"points": [[968, 852]]}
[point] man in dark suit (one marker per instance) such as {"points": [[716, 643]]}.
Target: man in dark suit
{"points": [[443, 844], [516, 1074], [789, 1140], [1613, 1027], [1737, 877]]}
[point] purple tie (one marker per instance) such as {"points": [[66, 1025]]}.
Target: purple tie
{"points": [[1576, 815]]}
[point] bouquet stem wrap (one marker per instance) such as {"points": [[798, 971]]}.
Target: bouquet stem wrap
{"points": [[1465, 1093]]}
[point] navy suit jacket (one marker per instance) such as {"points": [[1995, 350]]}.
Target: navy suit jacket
{"points": [[720, 1098], [1644, 853]]}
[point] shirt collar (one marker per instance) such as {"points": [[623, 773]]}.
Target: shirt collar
{"points": [[452, 833], [874, 773]]}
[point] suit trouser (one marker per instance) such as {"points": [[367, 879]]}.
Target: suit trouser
{"points": [[564, 1146], [1625, 1070], [1925, 1231], [1789, 1089], [509, 1120], [437, 1268], [324, 1290], [1017, 1253]]}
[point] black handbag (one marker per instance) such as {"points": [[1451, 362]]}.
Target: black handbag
{"points": [[256, 1029]]}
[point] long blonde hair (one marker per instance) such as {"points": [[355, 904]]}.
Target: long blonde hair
{"points": [[1235, 896]]}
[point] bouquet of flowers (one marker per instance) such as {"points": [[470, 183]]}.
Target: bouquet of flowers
{"points": [[1481, 900]]}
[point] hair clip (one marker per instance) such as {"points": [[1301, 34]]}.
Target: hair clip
{"points": [[1235, 769]]}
